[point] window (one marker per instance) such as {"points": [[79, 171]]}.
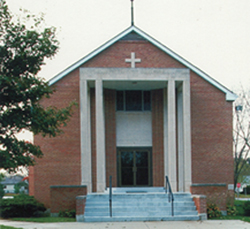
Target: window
{"points": [[147, 100], [119, 100], [133, 100]]}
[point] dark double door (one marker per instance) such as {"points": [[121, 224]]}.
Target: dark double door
{"points": [[134, 167]]}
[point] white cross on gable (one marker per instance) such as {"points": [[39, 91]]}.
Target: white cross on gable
{"points": [[133, 60]]}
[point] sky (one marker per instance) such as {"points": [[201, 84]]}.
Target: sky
{"points": [[213, 35]]}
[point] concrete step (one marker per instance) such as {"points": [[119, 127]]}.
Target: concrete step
{"points": [[139, 204], [140, 193], [138, 209], [136, 218], [146, 203], [138, 196], [139, 213], [137, 190]]}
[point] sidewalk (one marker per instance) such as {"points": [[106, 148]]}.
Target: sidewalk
{"points": [[208, 224]]}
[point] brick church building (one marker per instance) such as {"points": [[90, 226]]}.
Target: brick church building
{"points": [[143, 113]]}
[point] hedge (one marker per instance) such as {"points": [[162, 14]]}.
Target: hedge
{"points": [[20, 206]]}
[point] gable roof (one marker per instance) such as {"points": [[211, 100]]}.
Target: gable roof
{"points": [[230, 96]]}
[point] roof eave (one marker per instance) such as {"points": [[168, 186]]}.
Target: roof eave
{"points": [[230, 96], [90, 56]]}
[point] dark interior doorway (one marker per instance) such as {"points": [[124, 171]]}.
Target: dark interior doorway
{"points": [[134, 167]]}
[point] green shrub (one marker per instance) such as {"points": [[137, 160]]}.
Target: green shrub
{"points": [[213, 211], [68, 213], [246, 208], [231, 210], [20, 206]]}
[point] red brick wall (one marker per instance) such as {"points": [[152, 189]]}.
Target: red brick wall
{"points": [[110, 134], [80, 205], [61, 162], [215, 193], [211, 127], [151, 57], [157, 129], [200, 203], [31, 181], [93, 137], [64, 197]]}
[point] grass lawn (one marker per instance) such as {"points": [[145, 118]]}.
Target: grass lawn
{"points": [[7, 227], [239, 207], [45, 219]]}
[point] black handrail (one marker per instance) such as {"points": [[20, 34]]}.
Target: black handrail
{"points": [[110, 196], [170, 194]]}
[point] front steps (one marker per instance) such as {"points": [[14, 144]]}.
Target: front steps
{"points": [[139, 204]]}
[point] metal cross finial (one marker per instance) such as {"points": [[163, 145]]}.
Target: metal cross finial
{"points": [[132, 13], [133, 60]]}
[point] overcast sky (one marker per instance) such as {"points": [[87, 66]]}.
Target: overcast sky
{"points": [[213, 35]]}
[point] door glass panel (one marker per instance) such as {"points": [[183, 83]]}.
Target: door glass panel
{"points": [[134, 168], [127, 159], [141, 159], [142, 176], [142, 168], [127, 176]]}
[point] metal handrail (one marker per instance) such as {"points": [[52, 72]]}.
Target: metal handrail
{"points": [[110, 196], [168, 190]]}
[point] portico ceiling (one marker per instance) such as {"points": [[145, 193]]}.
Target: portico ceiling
{"points": [[132, 85]]}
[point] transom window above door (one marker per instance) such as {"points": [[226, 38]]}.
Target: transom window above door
{"points": [[133, 100]]}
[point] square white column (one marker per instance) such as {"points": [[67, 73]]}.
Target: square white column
{"points": [[100, 137], [172, 135], [165, 131], [187, 134], [86, 168], [180, 139]]}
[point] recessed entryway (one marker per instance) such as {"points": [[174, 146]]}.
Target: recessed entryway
{"points": [[134, 167]]}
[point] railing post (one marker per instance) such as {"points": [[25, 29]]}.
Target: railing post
{"points": [[170, 195], [172, 206], [110, 196]]}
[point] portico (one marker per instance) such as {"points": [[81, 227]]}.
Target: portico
{"points": [[175, 85]]}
